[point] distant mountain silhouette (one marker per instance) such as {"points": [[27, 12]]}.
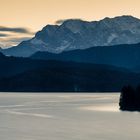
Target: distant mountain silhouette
{"points": [[127, 56], [11, 66], [20, 74], [78, 34], [2, 55]]}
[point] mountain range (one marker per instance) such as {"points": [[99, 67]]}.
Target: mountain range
{"points": [[78, 34], [81, 56]]}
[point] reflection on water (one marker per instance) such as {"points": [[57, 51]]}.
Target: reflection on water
{"points": [[106, 108]]}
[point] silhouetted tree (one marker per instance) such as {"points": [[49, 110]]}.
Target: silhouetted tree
{"points": [[130, 98], [137, 98], [127, 98]]}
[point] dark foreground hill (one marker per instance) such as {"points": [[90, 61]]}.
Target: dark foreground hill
{"points": [[26, 75]]}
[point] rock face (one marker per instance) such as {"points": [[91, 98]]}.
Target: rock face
{"points": [[78, 34]]}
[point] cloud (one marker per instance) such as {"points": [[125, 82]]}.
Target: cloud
{"points": [[61, 21], [15, 30], [3, 35], [11, 41], [18, 40], [13, 36]]}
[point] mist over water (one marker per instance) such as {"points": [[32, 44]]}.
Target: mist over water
{"points": [[26, 116]]}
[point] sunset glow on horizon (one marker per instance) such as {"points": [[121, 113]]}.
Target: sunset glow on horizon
{"points": [[35, 14]]}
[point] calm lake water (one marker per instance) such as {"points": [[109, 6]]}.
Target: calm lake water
{"points": [[26, 116]]}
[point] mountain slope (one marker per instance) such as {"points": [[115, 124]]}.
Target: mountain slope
{"points": [[57, 76], [127, 56], [78, 34], [11, 66]]}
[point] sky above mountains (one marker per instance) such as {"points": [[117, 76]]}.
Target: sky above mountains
{"points": [[21, 18]]}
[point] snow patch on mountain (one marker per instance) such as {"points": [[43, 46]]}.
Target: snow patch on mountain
{"points": [[111, 38], [36, 41]]}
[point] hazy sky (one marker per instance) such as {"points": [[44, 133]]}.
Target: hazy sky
{"points": [[35, 14]]}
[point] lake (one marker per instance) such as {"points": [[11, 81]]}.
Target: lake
{"points": [[30, 116]]}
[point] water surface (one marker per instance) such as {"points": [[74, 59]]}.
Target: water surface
{"points": [[25, 116]]}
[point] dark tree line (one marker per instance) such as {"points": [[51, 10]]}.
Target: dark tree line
{"points": [[130, 98]]}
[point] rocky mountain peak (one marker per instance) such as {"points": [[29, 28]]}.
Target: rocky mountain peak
{"points": [[75, 34]]}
